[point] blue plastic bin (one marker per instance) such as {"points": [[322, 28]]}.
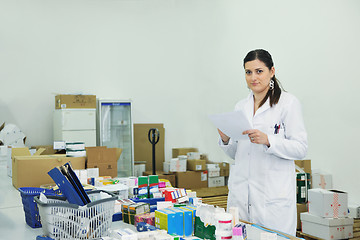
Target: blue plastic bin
{"points": [[31, 210]]}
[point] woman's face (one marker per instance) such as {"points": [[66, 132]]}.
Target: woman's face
{"points": [[258, 76]]}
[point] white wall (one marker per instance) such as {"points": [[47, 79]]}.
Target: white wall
{"points": [[180, 60]]}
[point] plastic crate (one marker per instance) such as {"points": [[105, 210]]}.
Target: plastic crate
{"points": [[31, 210], [62, 220]]}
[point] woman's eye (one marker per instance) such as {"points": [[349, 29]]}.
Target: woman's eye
{"points": [[247, 72], [259, 71]]}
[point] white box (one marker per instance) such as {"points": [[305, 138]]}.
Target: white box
{"points": [[328, 203], [213, 170], [321, 180], [216, 181], [327, 228], [193, 155], [354, 211], [177, 165]]}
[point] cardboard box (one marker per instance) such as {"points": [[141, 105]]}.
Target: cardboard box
{"points": [[143, 148], [75, 101], [196, 165], [322, 180], [327, 228], [224, 169], [191, 179], [304, 164], [32, 171], [48, 149], [328, 203], [301, 207], [162, 175], [182, 151], [103, 158], [354, 211], [213, 170], [216, 182]]}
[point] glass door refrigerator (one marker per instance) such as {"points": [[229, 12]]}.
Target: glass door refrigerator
{"points": [[115, 130]]}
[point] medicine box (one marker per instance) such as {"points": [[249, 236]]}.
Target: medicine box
{"points": [[165, 219]]}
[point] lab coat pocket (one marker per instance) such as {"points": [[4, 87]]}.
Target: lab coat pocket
{"points": [[279, 187]]}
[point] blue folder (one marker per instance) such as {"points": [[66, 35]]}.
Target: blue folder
{"points": [[69, 184]]}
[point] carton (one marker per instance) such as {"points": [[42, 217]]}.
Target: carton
{"points": [[103, 158], [300, 207], [322, 180], [75, 101], [32, 171], [213, 170], [191, 179], [216, 182], [304, 164], [11, 135], [328, 203], [182, 151], [177, 165], [196, 165], [224, 169], [143, 148], [327, 228]]}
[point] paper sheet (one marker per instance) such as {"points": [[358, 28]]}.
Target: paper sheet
{"points": [[233, 124]]}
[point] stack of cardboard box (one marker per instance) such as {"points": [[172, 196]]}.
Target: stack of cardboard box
{"points": [[195, 176], [327, 217]]}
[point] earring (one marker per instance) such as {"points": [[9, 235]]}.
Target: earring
{"points": [[271, 84]]}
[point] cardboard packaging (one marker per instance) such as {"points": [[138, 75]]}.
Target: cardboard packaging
{"points": [[304, 164], [182, 151], [322, 180], [11, 135], [32, 171], [224, 169], [213, 170], [103, 158], [196, 165], [354, 211], [302, 187], [143, 148], [75, 101], [191, 179], [328, 203], [327, 228], [300, 207], [177, 165], [216, 182]]}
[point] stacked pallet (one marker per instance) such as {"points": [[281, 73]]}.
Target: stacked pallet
{"points": [[216, 196], [356, 229]]}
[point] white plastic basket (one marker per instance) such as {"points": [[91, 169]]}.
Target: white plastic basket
{"points": [[62, 220]]}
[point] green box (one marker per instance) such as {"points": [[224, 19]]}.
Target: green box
{"points": [[302, 187], [204, 232]]}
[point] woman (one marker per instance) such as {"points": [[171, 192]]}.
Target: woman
{"points": [[262, 181]]}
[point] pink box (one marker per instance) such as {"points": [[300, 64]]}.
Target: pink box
{"points": [[145, 217]]}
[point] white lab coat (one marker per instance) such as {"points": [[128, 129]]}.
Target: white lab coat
{"points": [[262, 181]]}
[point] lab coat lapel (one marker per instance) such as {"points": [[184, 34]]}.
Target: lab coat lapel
{"points": [[263, 108], [249, 108]]}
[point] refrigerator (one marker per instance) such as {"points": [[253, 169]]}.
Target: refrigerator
{"points": [[115, 130]]}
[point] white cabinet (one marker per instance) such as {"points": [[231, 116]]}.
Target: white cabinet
{"points": [[72, 125]]}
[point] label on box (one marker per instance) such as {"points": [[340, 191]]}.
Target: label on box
{"points": [[198, 167], [63, 105], [203, 176]]}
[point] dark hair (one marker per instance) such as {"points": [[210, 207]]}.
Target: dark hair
{"points": [[265, 57]]}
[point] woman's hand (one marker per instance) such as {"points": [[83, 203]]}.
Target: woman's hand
{"points": [[224, 137], [258, 137]]}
